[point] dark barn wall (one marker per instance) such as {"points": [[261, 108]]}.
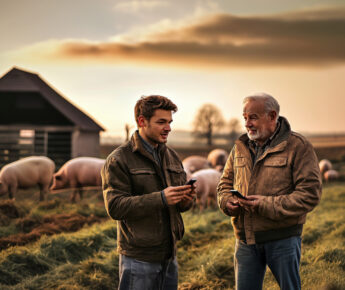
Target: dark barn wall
{"points": [[29, 108]]}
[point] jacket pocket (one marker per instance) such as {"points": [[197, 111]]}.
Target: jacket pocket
{"points": [[146, 171], [240, 161], [144, 180], [240, 173], [140, 233], [276, 162], [177, 175], [277, 175]]}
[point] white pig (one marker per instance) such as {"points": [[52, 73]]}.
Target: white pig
{"points": [[217, 158], [330, 175], [78, 173], [206, 187], [26, 173], [194, 163], [325, 165]]}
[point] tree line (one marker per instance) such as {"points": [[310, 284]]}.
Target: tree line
{"points": [[210, 124]]}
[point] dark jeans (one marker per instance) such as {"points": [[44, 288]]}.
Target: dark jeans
{"points": [[282, 257], [139, 275]]}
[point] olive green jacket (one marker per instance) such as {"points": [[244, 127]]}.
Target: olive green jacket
{"points": [[132, 184], [287, 175]]}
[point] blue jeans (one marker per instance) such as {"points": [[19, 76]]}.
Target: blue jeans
{"points": [[139, 275], [282, 257]]}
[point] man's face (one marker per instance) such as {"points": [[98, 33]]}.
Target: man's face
{"points": [[260, 126], [157, 129]]}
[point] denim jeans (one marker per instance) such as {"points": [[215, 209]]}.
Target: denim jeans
{"points": [[139, 275], [282, 257]]}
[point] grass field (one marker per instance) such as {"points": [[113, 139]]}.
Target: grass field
{"points": [[59, 245]]}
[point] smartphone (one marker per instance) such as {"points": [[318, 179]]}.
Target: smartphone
{"points": [[191, 181], [237, 193]]}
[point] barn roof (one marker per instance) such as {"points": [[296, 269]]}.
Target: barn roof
{"points": [[17, 80]]}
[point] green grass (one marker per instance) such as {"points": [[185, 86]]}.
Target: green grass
{"points": [[87, 259]]}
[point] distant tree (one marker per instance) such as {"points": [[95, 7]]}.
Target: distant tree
{"points": [[127, 129], [207, 121], [235, 129]]}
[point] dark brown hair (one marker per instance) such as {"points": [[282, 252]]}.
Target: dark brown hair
{"points": [[147, 105]]}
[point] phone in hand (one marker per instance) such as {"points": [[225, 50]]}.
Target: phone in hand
{"points": [[237, 193], [191, 181]]}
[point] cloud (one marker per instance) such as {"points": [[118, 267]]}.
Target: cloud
{"points": [[303, 38], [135, 6]]}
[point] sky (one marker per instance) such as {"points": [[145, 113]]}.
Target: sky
{"points": [[103, 55]]}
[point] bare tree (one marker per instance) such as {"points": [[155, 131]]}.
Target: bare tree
{"points": [[234, 129], [127, 129], [208, 120]]}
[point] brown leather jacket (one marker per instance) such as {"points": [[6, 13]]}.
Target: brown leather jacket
{"points": [[286, 174], [147, 229]]}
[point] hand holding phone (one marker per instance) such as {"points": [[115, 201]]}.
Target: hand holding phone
{"points": [[238, 194], [191, 181]]}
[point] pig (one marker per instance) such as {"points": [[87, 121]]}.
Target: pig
{"points": [[78, 173], [206, 187], [26, 173], [194, 163], [330, 175], [217, 158], [325, 165]]}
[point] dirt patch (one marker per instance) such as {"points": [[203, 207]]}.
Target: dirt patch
{"points": [[8, 208], [49, 225]]}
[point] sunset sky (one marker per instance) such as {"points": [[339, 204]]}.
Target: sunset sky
{"points": [[102, 55]]}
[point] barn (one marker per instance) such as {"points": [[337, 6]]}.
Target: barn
{"points": [[37, 120]]}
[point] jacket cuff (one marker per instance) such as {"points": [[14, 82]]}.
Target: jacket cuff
{"points": [[153, 199], [223, 203], [164, 199]]}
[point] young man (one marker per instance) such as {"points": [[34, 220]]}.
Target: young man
{"points": [[144, 189], [277, 170]]}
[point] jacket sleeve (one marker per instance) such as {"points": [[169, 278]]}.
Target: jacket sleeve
{"points": [[120, 203], [226, 184], [307, 186]]}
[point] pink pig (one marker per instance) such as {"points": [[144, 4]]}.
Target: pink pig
{"points": [[325, 165], [217, 158], [26, 173], [330, 175], [194, 163], [206, 187], [78, 173]]}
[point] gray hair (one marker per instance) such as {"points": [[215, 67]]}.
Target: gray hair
{"points": [[270, 103]]}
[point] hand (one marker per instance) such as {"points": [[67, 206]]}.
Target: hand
{"points": [[251, 204], [233, 208], [175, 194], [191, 195]]}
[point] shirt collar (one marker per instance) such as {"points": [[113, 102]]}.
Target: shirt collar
{"points": [[148, 147]]}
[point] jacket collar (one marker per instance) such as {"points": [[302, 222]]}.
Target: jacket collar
{"points": [[282, 135], [137, 145], [278, 142]]}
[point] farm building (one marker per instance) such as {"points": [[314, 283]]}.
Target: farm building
{"points": [[36, 120]]}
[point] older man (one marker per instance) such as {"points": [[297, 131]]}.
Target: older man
{"points": [[277, 171]]}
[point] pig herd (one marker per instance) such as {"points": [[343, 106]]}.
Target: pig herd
{"points": [[327, 171], [39, 171], [80, 172], [207, 172]]}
